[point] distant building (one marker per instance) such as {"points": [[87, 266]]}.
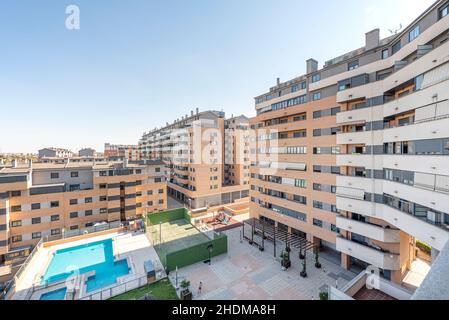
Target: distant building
{"points": [[119, 151], [86, 152], [55, 153]]}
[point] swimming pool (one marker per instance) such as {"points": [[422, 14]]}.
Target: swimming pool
{"points": [[54, 295], [95, 256]]}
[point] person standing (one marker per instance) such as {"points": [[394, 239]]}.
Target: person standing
{"points": [[200, 287]]}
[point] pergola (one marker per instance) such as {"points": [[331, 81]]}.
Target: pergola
{"points": [[272, 233]]}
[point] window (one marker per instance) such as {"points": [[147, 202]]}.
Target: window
{"points": [[35, 206], [316, 77], [156, 180], [103, 198], [316, 96], [55, 232], [16, 193], [17, 223], [73, 215], [16, 208], [301, 117], [88, 200], [161, 201], [161, 190], [73, 201], [317, 223], [301, 183], [317, 114], [317, 204], [103, 210], [385, 53], [295, 88], [300, 199], [316, 132], [316, 168], [150, 203], [103, 173], [317, 187], [149, 192], [54, 204], [36, 235], [55, 217], [396, 47], [353, 65], [444, 11], [16, 238], [36, 220], [73, 227], [89, 224], [74, 174], [102, 185], [138, 171], [300, 134], [412, 35], [334, 228], [88, 213], [54, 175], [418, 82]]}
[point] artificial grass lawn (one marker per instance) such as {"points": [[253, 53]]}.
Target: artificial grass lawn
{"points": [[161, 290]]}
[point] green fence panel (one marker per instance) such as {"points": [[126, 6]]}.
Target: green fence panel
{"points": [[167, 216], [189, 256]]}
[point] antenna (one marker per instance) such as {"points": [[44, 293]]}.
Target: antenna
{"points": [[397, 30]]}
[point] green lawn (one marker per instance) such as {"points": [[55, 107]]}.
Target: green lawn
{"points": [[162, 290]]}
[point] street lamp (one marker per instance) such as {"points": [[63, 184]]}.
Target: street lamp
{"points": [[210, 248]]}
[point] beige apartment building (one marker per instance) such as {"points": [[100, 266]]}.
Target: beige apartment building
{"points": [[206, 157], [121, 152], [355, 155], [40, 200]]}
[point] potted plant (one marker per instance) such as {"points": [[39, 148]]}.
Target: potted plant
{"points": [[304, 270], [285, 260], [324, 296], [317, 262], [185, 292]]}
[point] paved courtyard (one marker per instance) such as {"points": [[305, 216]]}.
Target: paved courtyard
{"points": [[246, 273]]}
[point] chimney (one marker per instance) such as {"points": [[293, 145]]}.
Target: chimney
{"points": [[312, 66], [191, 113], [30, 163], [372, 39], [14, 163], [197, 110], [278, 81]]}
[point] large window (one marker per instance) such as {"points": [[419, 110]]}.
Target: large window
{"points": [[316, 77], [412, 35], [353, 65], [316, 96], [54, 175], [444, 11], [385, 53], [396, 47]]}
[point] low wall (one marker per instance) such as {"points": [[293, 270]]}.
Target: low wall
{"points": [[82, 237], [169, 215], [189, 256]]}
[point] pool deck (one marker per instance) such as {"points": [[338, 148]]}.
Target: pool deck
{"points": [[132, 246]]}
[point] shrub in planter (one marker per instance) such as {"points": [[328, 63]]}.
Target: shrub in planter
{"points": [[285, 260], [185, 292], [324, 296]]}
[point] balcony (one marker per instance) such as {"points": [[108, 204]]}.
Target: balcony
{"points": [[360, 160], [380, 259], [371, 231], [360, 116], [361, 137]]}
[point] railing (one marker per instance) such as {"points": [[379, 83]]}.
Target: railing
{"points": [[93, 229], [117, 289]]}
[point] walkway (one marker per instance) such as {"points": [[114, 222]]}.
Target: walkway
{"points": [[246, 273]]}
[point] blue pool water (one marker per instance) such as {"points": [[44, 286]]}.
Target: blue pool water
{"points": [[54, 295], [96, 256]]}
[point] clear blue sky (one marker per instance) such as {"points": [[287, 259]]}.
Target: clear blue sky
{"points": [[136, 64]]}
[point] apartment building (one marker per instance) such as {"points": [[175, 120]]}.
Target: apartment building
{"points": [[354, 155], [47, 199], [121, 152], [87, 152], [195, 151], [55, 153]]}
